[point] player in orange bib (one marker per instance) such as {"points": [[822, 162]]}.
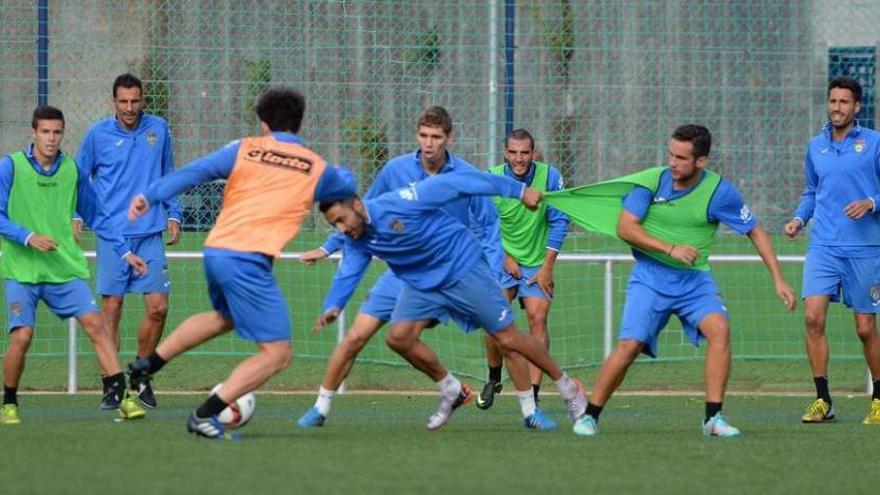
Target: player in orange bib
{"points": [[272, 182]]}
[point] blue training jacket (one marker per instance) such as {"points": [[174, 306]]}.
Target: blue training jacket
{"points": [[418, 239], [838, 173], [123, 163]]}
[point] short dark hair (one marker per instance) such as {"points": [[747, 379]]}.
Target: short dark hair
{"points": [[436, 117], [127, 81], [521, 134], [282, 109], [849, 83], [697, 135], [46, 112], [323, 206]]}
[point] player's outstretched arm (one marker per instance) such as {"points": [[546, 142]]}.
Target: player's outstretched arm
{"points": [[764, 246], [313, 256]]}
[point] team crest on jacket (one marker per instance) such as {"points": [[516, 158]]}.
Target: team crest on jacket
{"points": [[151, 138], [397, 225], [859, 146]]}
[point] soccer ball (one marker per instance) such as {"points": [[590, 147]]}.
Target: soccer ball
{"points": [[239, 412]]}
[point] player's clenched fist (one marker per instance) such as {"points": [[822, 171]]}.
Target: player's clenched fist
{"points": [[139, 206], [531, 198]]}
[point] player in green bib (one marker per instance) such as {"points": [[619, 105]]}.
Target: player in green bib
{"points": [[39, 189], [531, 242], [669, 216]]}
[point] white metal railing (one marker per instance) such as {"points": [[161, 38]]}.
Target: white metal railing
{"points": [[608, 326]]}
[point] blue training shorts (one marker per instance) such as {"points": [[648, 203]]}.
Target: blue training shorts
{"points": [[243, 289], [646, 312], [115, 276], [382, 297], [66, 300], [857, 278], [522, 285], [476, 300]]}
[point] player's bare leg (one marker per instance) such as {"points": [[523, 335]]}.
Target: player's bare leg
{"points": [[272, 358], [716, 330], [494, 361], [511, 339], [193, 331], [815, 313], [537, 309], [404, 339], [610, 377], [153, 322], [94, 325], [339, 366], [149, 333], [534, 418], [13, 367], [346, 352], [111, 307]]}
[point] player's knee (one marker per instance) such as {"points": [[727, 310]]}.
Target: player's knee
{"points": [[866, 333], [20, 339], [814, 323], [281, 357], [630, 349], [398, 341], [111, 305], [353, 343], [720, 338], [157, 311], [538, 324]]}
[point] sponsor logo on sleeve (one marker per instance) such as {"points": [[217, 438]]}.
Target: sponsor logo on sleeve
{"points": [[745, 214], [409, 193]]}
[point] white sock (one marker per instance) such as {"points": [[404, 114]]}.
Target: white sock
{"points": [[325, 397], [526, 402], [449, 386], [567, 387]]}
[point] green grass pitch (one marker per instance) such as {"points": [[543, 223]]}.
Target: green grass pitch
{"points": [[378, 444]]}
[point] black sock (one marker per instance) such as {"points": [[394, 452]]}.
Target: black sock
{"points": [[876, 394], [211, 407], [594, 411], [10, 395], [536, 387], [155, 363], [712, 408], [495, 374], [822, 388], [114, 383]]}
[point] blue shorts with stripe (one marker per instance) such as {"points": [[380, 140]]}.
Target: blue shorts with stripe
{"points": [[382, 297], [115, 276], [856, 279], [241, 287], [647, 311], [523, 287], [476, 300], [65, 300]]}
